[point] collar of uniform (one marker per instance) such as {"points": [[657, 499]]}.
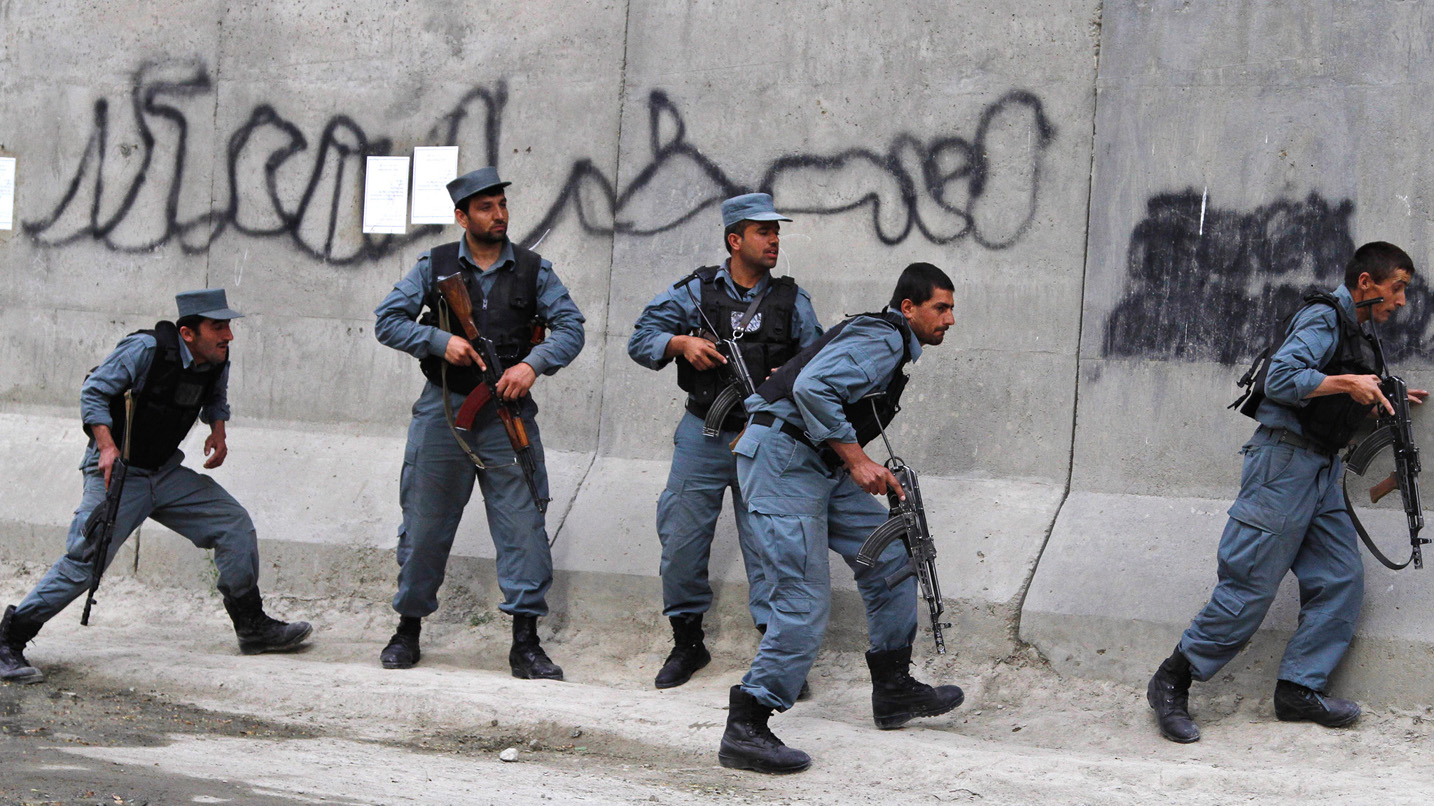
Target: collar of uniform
{"points": [[505, 258], [915, 343], [1346, 301], [725, 273], [186, 358]]}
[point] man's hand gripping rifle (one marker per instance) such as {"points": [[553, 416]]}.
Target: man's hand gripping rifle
{"points": [[1397, 431], [908, 524], [460, 305], [739, 380]]}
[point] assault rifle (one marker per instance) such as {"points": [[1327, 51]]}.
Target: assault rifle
{"points": [[100, 526], [740, 385], [1396, 431], [908, 524], [455, 296]]}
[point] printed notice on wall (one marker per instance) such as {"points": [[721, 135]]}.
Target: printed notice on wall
{"points": [[7, 192], [433, 168], [385, 195]]}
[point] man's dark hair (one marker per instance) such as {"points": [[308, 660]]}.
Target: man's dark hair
{"points": [[191, 321], [1380, 260], [918, 282], [462, 205], [738, 228]]}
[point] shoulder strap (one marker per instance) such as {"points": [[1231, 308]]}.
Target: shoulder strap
{"points": [[166, 352], [443, 259]]}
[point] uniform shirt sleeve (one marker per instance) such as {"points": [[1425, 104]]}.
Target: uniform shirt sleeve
{"points": [[1295, 368], [669, 314], [130, 359], [396, 323], [216, 408], [566, 334], [856, 363], [808, 327]]}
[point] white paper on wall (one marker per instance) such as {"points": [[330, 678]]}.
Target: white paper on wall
{"points": [[433, 168], [385, 195], [7, 192]]}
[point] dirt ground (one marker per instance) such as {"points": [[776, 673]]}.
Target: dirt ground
{"points": [[153, 704]]}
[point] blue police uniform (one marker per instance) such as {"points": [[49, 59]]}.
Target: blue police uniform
{"points": [[192, 504], [437, 477], [799, 508], [703, 468], [1290, 516]]}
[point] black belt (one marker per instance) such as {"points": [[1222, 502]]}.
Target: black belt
{"points": [[825, 453], [1288, 437]]}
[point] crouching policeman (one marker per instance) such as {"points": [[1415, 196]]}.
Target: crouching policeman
{"points": [[808, 485], [177, 373]]}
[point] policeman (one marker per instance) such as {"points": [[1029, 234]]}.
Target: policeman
{"points": [[515, 292], [176, 373], [807, 484], [774, 320], [1290, 514]]}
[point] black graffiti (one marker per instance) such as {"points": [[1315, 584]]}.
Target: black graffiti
{"points": [[278, 185], [1210, 284]]}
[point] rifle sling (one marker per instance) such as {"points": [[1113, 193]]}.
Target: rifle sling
{"points": [[741, 329], [1364, 535]]}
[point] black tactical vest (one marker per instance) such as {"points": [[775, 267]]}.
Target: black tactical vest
{"points": [[867, 416], [167, 401], [769, 340], [508, 316], [1332, 420]]}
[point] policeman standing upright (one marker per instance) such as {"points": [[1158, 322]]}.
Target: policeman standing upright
{"points": [[808, 486], [1290, 514], [513, 291], [174, 374], [772, 319]]}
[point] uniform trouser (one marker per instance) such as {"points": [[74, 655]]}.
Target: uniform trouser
{"points": [[1290, 516], [191, 504], [434, 487], [800, 510], [703, 469]]}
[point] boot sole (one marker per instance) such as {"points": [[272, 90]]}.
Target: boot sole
{"points": [[894, 721], [741, 763], [388, 664], [259, 649], [522, 675], [27, 679]]}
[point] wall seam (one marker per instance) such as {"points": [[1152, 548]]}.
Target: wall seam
{"points": [[611, 262], [216, 157], [1020, 597]]}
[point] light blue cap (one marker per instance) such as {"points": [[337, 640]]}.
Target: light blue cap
{"points": [[750, 207], [206, 302], [474, 182]]}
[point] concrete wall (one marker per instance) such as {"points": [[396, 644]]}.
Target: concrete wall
{"points": [[1121, 193]]}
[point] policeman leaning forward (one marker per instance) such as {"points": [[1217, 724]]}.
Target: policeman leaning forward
{"points": [[176, 373], [1290, 515], [772, 319], [515, 293], [807, 484]]}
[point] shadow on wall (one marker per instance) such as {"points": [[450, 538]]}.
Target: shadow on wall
{"points": [[1209, 284], [944, 188]]}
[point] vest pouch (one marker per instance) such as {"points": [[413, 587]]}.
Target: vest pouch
{"points": [[1332, 420]]}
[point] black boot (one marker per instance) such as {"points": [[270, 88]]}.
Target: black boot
{"points": [[1169, 694], [402, 650], [897, 697], [1296, 703], [258, 632], [806, 691], [527, 658], [748, 744], [14, 635], [688, 652]]}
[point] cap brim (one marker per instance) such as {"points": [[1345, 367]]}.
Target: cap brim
{"points": [[765, 217], [221, 313], [485, 189]]}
